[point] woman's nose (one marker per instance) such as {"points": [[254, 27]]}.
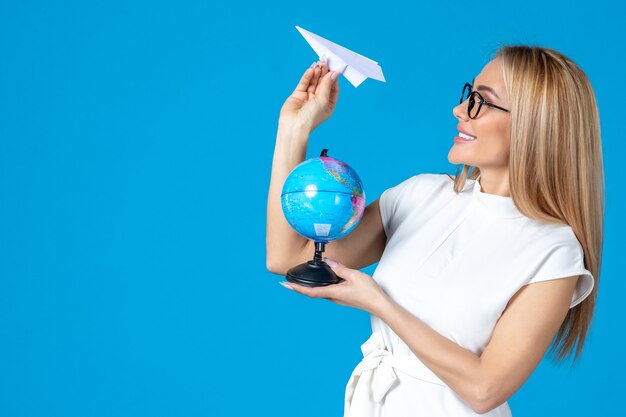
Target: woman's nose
{"points": [[460, 111]]}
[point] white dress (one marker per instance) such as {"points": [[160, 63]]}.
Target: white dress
{"points": [[454, 261]]}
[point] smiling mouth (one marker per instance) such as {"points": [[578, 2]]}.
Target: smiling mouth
{"points": [[466, 137]]}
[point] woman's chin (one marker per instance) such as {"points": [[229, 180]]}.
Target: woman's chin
{"points": [[456, 159]]}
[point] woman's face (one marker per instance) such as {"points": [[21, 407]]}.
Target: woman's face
{"points": [[492, 127]]}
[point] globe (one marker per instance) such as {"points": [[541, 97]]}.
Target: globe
{"points": [[323, 199]]}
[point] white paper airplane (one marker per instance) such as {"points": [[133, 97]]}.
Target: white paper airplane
{"points": [[356, 68]]}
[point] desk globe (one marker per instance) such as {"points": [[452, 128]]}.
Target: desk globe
{"points": [[323, 200]]}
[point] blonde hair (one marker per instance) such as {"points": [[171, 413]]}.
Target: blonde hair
{"points": [[556, 172]]}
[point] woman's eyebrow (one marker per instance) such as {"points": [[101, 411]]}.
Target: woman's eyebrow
{"points": [[487, 88]]}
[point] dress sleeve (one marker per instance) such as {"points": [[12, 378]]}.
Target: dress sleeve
{"points": [[562, 260], [391, 208]]}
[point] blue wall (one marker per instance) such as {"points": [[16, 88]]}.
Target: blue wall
{"points": [[136, 141]]}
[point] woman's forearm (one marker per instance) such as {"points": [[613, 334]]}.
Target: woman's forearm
{"points": [[282, 242], [459, 368]]}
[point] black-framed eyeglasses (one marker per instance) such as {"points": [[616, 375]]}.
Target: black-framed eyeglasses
{"points": [[472, 108]]}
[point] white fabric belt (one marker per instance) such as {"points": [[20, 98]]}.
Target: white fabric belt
{"points": [[374, 376]]}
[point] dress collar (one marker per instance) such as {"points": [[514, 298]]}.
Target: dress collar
{"points": [[496, 205]]}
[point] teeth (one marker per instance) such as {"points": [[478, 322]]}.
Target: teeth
{"points": [[464, 136]]}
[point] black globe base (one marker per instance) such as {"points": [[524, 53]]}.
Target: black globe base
{"points": [[315, 273], [312, 275]]}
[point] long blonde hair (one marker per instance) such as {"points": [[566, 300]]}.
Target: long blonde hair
{"points": [[556, 172]]}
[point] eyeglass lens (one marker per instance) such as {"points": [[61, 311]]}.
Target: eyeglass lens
{"points": [[472, 108]]}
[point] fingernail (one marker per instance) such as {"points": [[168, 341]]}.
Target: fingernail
{"points": [[330, 262], [284, 284], [334, 75]]}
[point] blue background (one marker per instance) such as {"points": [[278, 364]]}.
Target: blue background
{"points": [[136, 141]]}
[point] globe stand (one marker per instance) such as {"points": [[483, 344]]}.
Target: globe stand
{"points": [[315, 273]]}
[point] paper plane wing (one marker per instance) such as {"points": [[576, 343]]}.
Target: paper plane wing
{"points": [[355, 67]]}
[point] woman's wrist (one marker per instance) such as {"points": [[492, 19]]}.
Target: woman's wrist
{"points": [[294, 130], [382, 304]]}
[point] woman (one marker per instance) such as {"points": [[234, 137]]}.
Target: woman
{"points": [[479, 273]]}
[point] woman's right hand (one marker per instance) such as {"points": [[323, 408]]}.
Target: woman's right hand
{"points": [[313, 100]]}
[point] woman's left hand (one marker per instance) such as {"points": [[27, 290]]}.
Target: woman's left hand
{"points": [[359, 290]]}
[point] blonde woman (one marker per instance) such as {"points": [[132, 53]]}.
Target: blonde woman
{"points": [[478, 273]]}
